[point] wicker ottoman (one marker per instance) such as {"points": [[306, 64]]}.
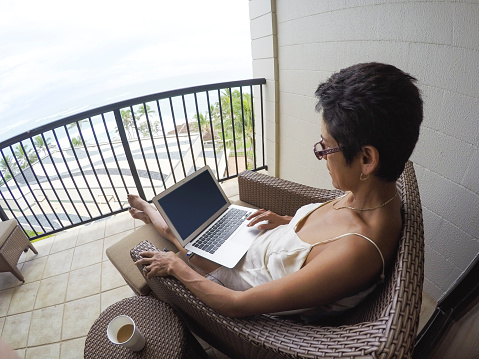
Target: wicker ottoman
{"points": [[166, 336]]}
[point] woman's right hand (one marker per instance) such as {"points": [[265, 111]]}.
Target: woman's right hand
{"points": [[157, 263], [272, 219]]}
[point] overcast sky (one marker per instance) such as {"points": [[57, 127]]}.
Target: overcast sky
{"points": [[58, 58]]}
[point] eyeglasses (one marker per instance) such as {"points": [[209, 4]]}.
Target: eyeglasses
{"points": [[321, 153]]}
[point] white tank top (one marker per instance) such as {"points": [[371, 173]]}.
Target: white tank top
{"points": [[279, 252]]}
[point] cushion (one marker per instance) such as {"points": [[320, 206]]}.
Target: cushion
{"points": [[119, 255], [6, 228]]}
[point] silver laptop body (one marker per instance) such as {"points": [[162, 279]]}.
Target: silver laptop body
{"points": [[195, 205]]}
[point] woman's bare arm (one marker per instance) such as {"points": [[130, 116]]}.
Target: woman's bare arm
{"points": [[271, 219], [337, 272]]}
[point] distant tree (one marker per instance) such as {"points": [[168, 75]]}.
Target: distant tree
{"points": [[76, 124], [74, 129], [7, 166], [156, 127], [242, 116], [205, 124], [25, 155], [128, 122], [42, 145], [141, 122], [143, 110], [76, 141]]}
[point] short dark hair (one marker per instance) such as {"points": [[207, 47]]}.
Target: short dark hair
{"points": [[373, 104]]}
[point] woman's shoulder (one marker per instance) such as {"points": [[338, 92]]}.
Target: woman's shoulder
{"points": [[383, 229]]}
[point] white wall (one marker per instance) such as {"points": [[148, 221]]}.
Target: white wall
{"points": [[435, 41], [265, 64]]}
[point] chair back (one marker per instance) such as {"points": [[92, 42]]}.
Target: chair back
{"points": [[396, 304]]}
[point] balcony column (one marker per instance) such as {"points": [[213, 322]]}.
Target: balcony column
{"points": [[265, 64]]}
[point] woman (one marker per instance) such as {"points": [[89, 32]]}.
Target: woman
{"points": [[329, 256]]}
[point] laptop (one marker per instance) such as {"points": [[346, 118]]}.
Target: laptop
{"points": [[196, 206]]}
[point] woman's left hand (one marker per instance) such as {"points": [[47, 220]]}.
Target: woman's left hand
{"points": [[157, 263], [271, 220]]}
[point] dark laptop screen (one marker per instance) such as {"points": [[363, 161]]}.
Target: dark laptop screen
{"points": [[192, 203]]}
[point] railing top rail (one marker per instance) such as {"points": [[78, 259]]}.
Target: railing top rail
{"points": [[126, 103], [81, 173]]}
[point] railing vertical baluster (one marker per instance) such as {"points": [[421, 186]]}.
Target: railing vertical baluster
{"points": [[141, 148], [177, 138], [115, 157], [200, 130], [80, 167], [188, 130], [225, 149], [72, 178], [166, 141], [104, 165], [19, 189], [262, 122], [244, 131], [28, 185], [154, 149], [93, 167], [27, 160], [51, 186], [12, 211], [253, 125], [234, 130], [40, 186], [3, 215], [128, 154], [212, 137], [60, 177]]}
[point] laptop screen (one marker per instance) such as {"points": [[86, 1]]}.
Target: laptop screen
{"points": [[191, 204]]}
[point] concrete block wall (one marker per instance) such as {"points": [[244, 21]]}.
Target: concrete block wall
{"points": [[435, 41]]}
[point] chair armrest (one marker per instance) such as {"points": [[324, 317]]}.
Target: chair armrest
{"points": [[278, 195], [384, 326], [270, 336]]}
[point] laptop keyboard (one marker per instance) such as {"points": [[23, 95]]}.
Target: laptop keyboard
{"points": [[215, 236]]}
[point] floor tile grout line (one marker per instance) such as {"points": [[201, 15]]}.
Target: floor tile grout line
{"points": [[11, 299], [63, 316], [65, 301], [9, 304], [68, 280], [55, 342], [101, 266], [19, 286]]}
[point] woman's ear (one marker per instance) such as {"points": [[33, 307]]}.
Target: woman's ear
{"points": [[369, 159]]}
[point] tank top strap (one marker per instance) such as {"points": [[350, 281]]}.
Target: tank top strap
{"points": [[306, 210], [360, 235]]}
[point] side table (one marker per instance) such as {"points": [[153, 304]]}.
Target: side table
{"points": [[166, 335]]}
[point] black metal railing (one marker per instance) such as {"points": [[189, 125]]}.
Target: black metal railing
{"points": [[80, 168]]}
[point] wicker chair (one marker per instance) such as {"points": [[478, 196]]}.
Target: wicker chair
{"points": [[13, 241], [383, 326]]}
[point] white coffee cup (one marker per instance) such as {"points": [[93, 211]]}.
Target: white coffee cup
{"points": [[122, 330]]}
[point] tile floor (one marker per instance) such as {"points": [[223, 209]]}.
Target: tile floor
{"points": [[68, 284]]}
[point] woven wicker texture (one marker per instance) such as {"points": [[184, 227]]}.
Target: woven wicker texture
{"points": [[278, 195], [165, 334], [11, 251], [384, 326]]}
